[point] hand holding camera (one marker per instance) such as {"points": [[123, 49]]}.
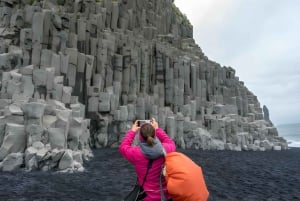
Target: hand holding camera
{"points": [[138, 123], [141, 122], [154, 123], [135, 126]]}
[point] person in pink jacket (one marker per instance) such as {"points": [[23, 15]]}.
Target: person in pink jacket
{"points": [[152, 141]]}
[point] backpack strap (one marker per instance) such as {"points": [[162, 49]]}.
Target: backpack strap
{"points": [[148, 168], [162, 194], [164, 151]]}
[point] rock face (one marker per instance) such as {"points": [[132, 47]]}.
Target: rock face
{"points": [[113, 62]]}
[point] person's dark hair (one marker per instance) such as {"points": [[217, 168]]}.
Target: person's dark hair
{"points": [[148, 132]]}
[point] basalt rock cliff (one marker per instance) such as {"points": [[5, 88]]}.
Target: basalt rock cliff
{"points": [[76, 74]]}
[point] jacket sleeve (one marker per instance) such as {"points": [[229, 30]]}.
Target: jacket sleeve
{"points": [[125, 147], [166, 141]]}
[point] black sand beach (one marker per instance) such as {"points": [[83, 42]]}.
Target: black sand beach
{"points": [[229, 175]]}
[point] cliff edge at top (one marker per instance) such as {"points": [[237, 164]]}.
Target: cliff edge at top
{"points": [[76, 74]]}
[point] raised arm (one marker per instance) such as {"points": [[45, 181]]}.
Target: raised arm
{"points": [[125, 147], [166, 141]]}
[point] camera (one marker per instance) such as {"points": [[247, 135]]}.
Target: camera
{"points": [[141, 122]]}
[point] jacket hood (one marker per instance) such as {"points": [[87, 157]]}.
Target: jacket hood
{"points": [[152, 152]]}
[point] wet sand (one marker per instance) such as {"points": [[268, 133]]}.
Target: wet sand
{"points": [[229, 175]]}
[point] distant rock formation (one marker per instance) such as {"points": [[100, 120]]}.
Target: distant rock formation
{"points": [[266, 114], [76, 74]]}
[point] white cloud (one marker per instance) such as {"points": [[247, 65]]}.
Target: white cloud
{"points": [[260, 39]]}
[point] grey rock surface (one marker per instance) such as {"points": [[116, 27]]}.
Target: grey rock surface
{"points": [[75, 75], [12, 162]]}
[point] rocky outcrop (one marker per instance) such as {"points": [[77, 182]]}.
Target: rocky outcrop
{"points": [[113, 62], [38, 133]]}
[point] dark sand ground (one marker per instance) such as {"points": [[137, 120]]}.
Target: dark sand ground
{"points": [[229, 175]]}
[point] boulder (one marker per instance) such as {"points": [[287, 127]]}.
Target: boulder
{"points": [[217, 145], [77, 157], [2, 130], [277, 148], [14, 140], [74, 134], [41, 154], [66, 160], [57, 138], [34, 133], [56, 155], [34, 110], [266, 144], [102, 140], [30, 158], [12, 162], [198, 139], [15, 109]]}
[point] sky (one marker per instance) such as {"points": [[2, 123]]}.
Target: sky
{"points": [[260, 39]]}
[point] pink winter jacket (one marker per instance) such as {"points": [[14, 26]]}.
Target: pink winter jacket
{"points": [[134, 155]]}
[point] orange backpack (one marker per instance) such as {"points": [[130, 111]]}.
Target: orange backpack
{"points": [[184, 178]]}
